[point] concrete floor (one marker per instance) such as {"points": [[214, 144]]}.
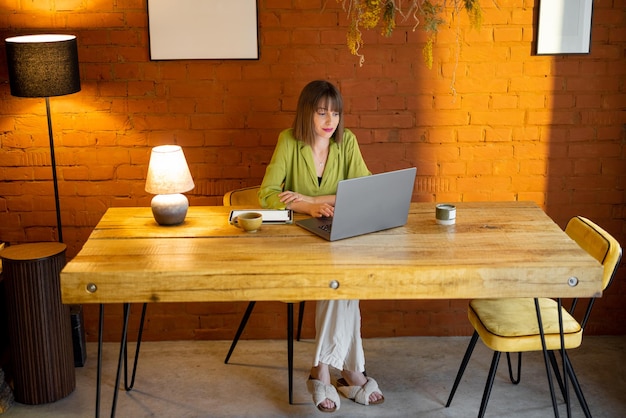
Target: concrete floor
{"points": [[190, 379]]}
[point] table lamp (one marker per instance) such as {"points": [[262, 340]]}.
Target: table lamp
{"points": [[168, 177], [44, 66]]}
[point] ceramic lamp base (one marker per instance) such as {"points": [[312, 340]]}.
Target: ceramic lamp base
{"points": [[169, 209]]}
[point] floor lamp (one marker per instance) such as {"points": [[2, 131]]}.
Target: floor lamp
{"points": [[44, 66]]}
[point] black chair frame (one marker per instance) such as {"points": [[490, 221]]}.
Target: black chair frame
{"points": [[550, 357], [242, 326]]}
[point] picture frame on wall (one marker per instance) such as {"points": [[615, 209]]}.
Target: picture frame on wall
{"points": [[203, 29], [564, 27]]}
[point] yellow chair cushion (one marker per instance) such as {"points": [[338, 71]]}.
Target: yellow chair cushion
{"points": [[510, 325]]}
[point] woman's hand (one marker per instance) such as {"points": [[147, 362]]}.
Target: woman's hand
{"points": [[318, 210], [288, 197], [306, 204]]}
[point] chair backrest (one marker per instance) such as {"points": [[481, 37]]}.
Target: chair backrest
{"points": [[601, 246], [247, 196], [598, 243]]}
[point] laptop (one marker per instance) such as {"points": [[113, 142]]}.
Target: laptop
{"points": [[366, 204]]}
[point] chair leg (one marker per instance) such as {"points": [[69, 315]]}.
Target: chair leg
{"points": [[576, 385], [489, 384], [300, 318], [557, 373], [515, 381], [290, 349], [570, 372], [459, 375], [242, 326]]}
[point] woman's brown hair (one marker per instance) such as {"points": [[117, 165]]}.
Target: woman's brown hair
{"points": [[317, 94]]}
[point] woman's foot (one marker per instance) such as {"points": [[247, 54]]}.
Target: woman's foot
{"points": [[322, 373], [358, 379]]}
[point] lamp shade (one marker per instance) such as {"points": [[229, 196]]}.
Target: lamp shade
{"points": [[43, 65], [168, 172]]}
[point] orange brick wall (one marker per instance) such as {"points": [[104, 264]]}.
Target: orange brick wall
{"points": [[550, 129]]}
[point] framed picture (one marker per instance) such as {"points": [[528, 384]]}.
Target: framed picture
{"points": [[203, 29], [564, 27]]}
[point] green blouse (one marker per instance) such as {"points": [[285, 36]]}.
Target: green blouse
{"points": [[292, 168]]}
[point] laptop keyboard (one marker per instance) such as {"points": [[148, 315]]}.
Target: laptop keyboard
{"points": [[325, 227]]}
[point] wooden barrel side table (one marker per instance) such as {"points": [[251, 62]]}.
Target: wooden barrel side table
{"points": [[40, 332]]}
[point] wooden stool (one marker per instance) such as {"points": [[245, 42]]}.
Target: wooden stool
{"points": [[40, 333]]}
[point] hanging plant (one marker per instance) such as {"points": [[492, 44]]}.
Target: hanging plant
{"points": [[368, 14]]}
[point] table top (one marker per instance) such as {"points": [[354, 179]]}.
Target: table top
{"points": [[495, 249]]}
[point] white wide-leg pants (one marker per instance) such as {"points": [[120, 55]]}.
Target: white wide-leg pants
{"points": [[338, 335]]}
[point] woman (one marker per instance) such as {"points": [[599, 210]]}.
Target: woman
{"points": [[309, 161]]}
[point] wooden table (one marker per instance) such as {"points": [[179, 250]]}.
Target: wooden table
{"points": [[509, 249]]}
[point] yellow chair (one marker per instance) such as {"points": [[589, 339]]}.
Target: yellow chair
{"points": [[248, 197], [511, 325]]}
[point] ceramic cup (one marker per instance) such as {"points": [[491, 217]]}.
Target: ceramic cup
{"points": [[445, 214], [248, 221]]}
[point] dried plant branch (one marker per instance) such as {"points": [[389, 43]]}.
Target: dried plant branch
{"points": [[369, 14]]}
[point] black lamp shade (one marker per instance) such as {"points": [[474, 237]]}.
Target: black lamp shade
{"points": [[43, 65]]}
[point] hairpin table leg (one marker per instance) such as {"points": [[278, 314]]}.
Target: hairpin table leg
{"points": [[546, 360], [139, 336], [99, 369], [565, 387], [121, 356], [290, 349]]}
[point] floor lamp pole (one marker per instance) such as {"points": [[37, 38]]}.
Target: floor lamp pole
{"points": [[54, 172]]}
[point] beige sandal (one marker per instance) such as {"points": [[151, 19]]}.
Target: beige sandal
{"points": [[360, 394], [322, 391]]}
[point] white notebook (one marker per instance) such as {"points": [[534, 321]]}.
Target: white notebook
{"points": [[270, 216]]}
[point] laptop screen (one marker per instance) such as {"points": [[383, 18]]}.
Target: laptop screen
{"points": [[368, 204]]}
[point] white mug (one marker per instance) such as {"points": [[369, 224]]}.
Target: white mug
{"points": [[445, 214]]}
